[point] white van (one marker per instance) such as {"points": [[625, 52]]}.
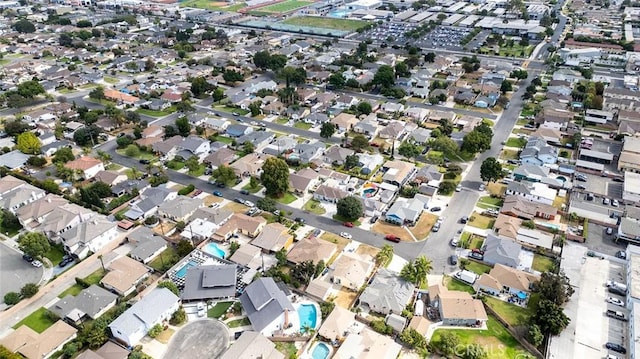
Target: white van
{"points": [[466, 276]]}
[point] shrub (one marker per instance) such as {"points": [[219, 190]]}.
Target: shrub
{"points": [[83, 283], [29, 290], [178, 317], [450, 175], [155, 331], [12, 298], [185, 191]]}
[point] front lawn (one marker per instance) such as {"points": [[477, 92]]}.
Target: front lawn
{"points": [[453, 284], [477, 268], [224, 139], [542, 263], [496, 337], [154, 113], [9, 232], [55, 254], [509, 154], [287, 198], [39, 321], [239, 111], [423, 227], [144, 155], [282, 120], [476, 242], [198, 172], [239, 323], [512, 314], [339, 218], [314, 207], [255, 189], [488, 202], [302, 125], [219, 309], [518, 142], [483, 222]]}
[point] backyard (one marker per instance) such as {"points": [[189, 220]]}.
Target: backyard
{"points": [[326, 22], [39, 321], [55, 254], [542, 263], [165, 260], [479, 221], [92, 279], [219, 309], [496, 338], [512, 314]]}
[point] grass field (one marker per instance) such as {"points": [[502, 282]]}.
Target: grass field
{"points": [[154, 113], [517, 142], [489, 202], [93, 278], [302, 125], [239, 323], [512, 314], [217, 310], [285, 6], [326, 23], [37, 321], [478, 268], [542, 263], [496, 339], [286, 198], [213, 5], [482, 222]]}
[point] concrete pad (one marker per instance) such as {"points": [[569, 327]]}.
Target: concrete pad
{"points": [[202, 339]]}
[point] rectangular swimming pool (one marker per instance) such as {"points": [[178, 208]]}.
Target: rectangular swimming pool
{"points": [[180, 273]]}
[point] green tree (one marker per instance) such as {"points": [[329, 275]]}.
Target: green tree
{"points": [[534, 335], [416, 271], [281, 256], [169, 285], [24, 26], [29, 290], [351, 161], [15, 127], [184, 247], [224, 174], [446, 187], [491, 170], [275, 176], [327, 130], [233, 247], [430, 57], [402, 70], [550, 317], [200, 86], [36, 161], [155, 331], [97, 93], [267, 204], [248, 147], [475, 141], [385, 77], [192, 164], [178, 317], [444, 144], [64, 155], [11, 298], [448, 343], [364, 107], [262, 59], [10, 220], [359, 142], [132, 151], [409, 150], [506, 86], [28, 143], [255, 109], [337, 80], [554, 287], [349, 208], [445, 126], [232, 76], [293, 75], [30, 89], [183, 126], [384, 257], [218, 94], [34, 244]]}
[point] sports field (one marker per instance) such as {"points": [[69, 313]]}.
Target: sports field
{"points": [[213, 5], [284, 7], [326, 23]]}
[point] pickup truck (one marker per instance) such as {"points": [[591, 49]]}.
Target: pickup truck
{"points": [[616, 314]]}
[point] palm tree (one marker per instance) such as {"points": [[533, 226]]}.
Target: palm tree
{"points": [[104, 157], [135, 173], [422, 267], [385, 255]]}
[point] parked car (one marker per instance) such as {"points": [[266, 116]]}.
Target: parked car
{"points": [[220, 185], [609, 231], [345, 235], [145, 162], [581, 179], [459, 188], [477, 250], [580, 186], [464, 220], [482, 187], [453, 260], [435, 228], [373, 219], [615, 203], [616, 348], [244, 191], [621, 254], [477, 256], [197, 192], [348, 224], [65, 261], [217, 193], [27, 258], [249, 204], [606, 201], [616, 290], [392, 238], [454, 241], [594, 254], [239, 200], [615, 301], [435, 209], [36, 263], [299, 220]]}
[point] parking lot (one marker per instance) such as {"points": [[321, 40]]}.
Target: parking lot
{"points": [[589, 328], [447, 37], [594, 209], [603, 186], [15, 272], [389, 32], [599, 241]]}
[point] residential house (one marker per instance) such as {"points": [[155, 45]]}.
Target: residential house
{"points": [[369, 163], [303, 180], [407, 212], [337, 324], [249, 165], [259, 139], [393, 130], [337, 155], [87, 166], [517, 206], [149, 201], [252, 345], [33, 214], [344, 121], [111, 178], [511, 227], [124, 275], [273, 238], [368, 344], [311, 249], [457, 308], [33, 345], [130, 187], [316, 118], [267, 306], [221, 157], [421, 135], [13, 160], [351, 270], [535, 173], [248, 256], [249, 226], [387, 293], [502, 279], [398, 172], [238, 130], [501, 251], [16, 193], [306, 152], [280, 145], [368, 127], [89, 236], [328, 193], [417, 114], [154, 308], [189, 147], [537, 152], [61, 219], [109, 350], [90, 303], [430, 175], [203, 283], [533, 191], [628, 122], [629, 160], [180, 208], [216, 124], [148, 245]]}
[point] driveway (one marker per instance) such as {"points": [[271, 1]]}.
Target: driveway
{"points": [[202, 339], [15, 272]]}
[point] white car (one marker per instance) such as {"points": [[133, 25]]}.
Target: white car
{"points": [[615, 301], [345, 235], [459, 188], [481, 188], [202, 313], [36, 264], [615, 203]]}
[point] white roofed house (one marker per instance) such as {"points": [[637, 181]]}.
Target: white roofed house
{"points": [[62, 219], [180, 208], [16, 193], [351, 270], [89, 236], [388, 293]]}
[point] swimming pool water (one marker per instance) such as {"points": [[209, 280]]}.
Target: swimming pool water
{"points": [[308, 315], [321, 351], [214, 250], [180, 273]]}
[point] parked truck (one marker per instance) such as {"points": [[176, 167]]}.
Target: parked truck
{"points": [[617, 315]]}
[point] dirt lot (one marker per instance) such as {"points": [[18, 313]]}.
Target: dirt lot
{"points": [[209, 200], [497, 189], [236, 207], [163, 228], [345, 298], [422, 229], [385, 228], [367, 250]]}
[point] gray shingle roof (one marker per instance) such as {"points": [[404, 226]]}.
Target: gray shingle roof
{"points": [[264, 302], [90, 301], [146, 312], [210, 282]]}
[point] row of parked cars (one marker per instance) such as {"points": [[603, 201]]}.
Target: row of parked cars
{"points": [[618, 289]]}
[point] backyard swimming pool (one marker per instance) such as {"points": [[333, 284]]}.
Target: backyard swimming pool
{"points": [[308, 315], [214, 250], [321, 351], [182, 272]]}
